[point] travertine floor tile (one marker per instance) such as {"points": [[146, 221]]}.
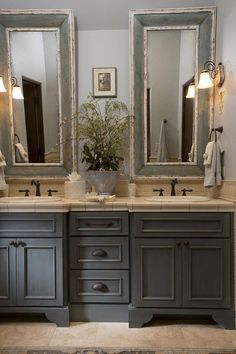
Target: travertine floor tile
{"points": [[119, 335], [77, 335], [207, 337], [23, 336]]}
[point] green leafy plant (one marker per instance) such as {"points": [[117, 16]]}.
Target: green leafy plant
{"points": [[103, 127]]}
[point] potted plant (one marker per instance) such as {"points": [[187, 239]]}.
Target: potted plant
{"points": [[103, 129]]}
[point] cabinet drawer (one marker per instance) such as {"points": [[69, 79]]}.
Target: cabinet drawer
{"points": [[99, 223], [31, 225], [181, 225], [99, 252], [99, 286]]}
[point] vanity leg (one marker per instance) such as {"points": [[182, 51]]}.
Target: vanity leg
{"points": [[60, 316], [138, 317], [225, 318]]}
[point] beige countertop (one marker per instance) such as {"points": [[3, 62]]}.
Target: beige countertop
{"points": [[131, 204]]}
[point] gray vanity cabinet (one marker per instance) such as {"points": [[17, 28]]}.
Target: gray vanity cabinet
{"points": [[32, 265], [99, 266], [7, 273], [181, 264]]}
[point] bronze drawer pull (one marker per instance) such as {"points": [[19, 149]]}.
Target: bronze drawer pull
{"points": [[99, 253], [105, 225], [99, 287]]}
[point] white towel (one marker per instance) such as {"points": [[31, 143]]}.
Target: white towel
{"points": [[21, 154], [207, 156], [162, 147], [191, 154], [2, 159], [213, 171]]}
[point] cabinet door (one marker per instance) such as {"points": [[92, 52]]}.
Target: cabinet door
{"points": [[40, 272], [7, 273], [206, 273], [156, 273]]}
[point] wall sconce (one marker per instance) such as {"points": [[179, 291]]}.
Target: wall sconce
{"points": [[16, 90], [191, 91], [211, 75], [2, 87]]}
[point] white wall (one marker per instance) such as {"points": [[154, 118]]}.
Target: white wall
{"points": [[103, 49], [226, 52]]}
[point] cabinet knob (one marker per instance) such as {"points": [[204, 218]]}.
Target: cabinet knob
{"points": [[99, 253], [99, 287]]}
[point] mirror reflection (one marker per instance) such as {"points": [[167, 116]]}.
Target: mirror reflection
{"points": [[34, 62], [170, 66]]}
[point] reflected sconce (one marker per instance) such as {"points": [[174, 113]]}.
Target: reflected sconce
{"points": [[191, 91], [16, 90], [211, 75], [2, 87]]}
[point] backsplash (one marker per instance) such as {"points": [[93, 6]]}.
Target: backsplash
{"points": [[144, 187]]}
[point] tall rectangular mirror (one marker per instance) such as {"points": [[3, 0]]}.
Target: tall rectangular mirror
{"points": [[37, 135], [168, 50]]}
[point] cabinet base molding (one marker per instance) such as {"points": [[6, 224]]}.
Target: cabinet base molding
{"points": [[58, 315], [99, 312], [139, 316]]}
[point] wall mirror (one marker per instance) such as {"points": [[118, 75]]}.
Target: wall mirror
{"points": [[37, 132], [170, 129]]}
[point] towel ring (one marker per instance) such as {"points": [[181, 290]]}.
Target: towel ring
{"points": [[219, 130]]}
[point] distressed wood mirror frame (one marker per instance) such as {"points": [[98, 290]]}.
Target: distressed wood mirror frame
{"points": [[204, 21], [63, 22]]}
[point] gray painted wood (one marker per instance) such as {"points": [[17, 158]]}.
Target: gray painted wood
{"points": [[64, 21], [156, 273], [40, 273], [205, 21], [99, 286], [206, 274], [209, 225], [99, 312], [59, 315], [98, 223], [7, 273], [138, 316], [31, 225], [99, 253], [181, 264]]}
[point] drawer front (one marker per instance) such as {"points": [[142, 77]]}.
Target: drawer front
{"points": [[181, 225], [99, 252], [99, 223], [99, 286], [31, 225]]}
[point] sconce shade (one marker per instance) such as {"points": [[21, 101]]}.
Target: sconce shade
{"points": [[16, 93], [2, 87], [191, 91], [205, 80]]}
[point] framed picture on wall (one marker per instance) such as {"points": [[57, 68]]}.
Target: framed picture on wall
{"points": [[104, 82]]}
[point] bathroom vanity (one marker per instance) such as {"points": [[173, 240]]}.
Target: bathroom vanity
{"points": [[33, 269], [124, 260], [181, 265]]}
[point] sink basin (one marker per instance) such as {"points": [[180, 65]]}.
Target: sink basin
{"points": [[177, 199], [29, 199]]}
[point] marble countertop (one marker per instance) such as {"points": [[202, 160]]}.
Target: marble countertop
{"points": [[131, 204]]}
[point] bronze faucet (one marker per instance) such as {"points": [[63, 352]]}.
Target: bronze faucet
{"points": [[173, 183], [37, 185]]}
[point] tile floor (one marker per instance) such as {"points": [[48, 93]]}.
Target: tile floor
{"points": [[158, 334]]}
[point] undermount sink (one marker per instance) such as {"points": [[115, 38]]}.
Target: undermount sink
{"points": [[177, 199], [29, 199]]}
